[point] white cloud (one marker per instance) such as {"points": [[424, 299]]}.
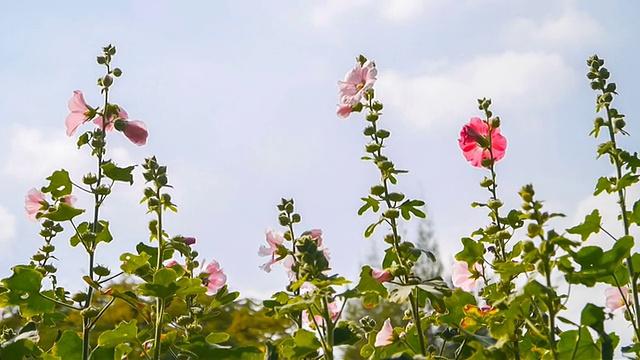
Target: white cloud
{"points": [[34, 154], [7, 228], [513, 80], [572, 30], [329, 11]]}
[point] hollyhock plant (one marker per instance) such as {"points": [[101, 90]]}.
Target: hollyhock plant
{"points": [[136, 132], [215, 278], [334, 312], [357, 81], [80, 112], [385, 336], [381, 276], [463, 278], [614, 298], [109, 123], [274, 239], [35, 203], [476, 145]]}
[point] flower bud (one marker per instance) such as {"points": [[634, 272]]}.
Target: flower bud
{"points": [[377, 190], [368, 131], [103, 190], [372, 117], [383, 134], [50, 268], [619, 124], [117, 72], [389, 238], [89, 179], [394, 196], [495, 122], [107, 81], [79, 297], [48, 248], [372, 147], [38, 257], [90, 312], [101, 270], [295, 218], [381, 276], [101, 60], [120, 125], [391, 213]]}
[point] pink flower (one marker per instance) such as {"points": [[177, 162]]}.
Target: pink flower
{"points": [[288, 263], [215, 279], [357, 81], [385, 336], [122, 114], [189, 240], [334, 311], [69, 200], [35, 203], [474, 142], [463, 278], [381, 276], [316, 234], [274, 239], [614, 298], [136, 132], [80, 112], [171, 263]]}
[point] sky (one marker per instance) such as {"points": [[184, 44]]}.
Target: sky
{"points": [[240, 98]]}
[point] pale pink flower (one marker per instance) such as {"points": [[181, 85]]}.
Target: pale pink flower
{"points": [[474, 142], [274, 239], [288, 263], [316, 234], [357, 81], [381, 276], [614, 298], [80, 112], [69, 200], [334, 311], [136, 132], [463, 278], [385, 336], [215, 279], [34, 203]]}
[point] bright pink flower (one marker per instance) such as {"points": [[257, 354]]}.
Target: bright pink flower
{"points": [[122, 114], [357, 81], [474, 142], [80, 112], [34, 203], [189, 240], [381, 276], [273, 240], [463, 278], [136, 132], [385, 336], [615, 299], [216, 278], [171, 263]]}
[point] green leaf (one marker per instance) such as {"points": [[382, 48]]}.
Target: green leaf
{"points": [[59, 184], [369, 202], [125, 332], [472, 251], [24, 291], [590, 225], [115, 173], [368, 284], [603, 184], [625, 181], [164, 284], [132, 263], [634, 216], [577, 344], [306, 343], [69, 346], [454, 305], [343, 334], [63, 212], [216, 338], [593, 317], [371, 228]]}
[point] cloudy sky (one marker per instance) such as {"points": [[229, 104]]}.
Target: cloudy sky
{"points": [[239, 98]]}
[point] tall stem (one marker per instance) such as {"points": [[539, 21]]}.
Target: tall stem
{"points": [[160, 301]]}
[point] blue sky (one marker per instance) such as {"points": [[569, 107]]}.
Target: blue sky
{"points": [[239, 98]]}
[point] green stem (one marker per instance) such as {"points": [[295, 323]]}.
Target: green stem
{"points": [[58, 302], [625, 220], [328, 354], [160, 301], [104, 309]]}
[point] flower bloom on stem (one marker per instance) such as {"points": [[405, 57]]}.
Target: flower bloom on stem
{"points": [[385, 336], [80, 112], [614, 299], [274, 239], [215, 278], [334, 311], [475, 144], [463, 278], [34, 203], [189, 240], [381, 276], [357, 81], [108, 126], [134, 130]]}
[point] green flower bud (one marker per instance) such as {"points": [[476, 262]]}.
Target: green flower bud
{"points": [[368, 131], [377, 190], [89, 179], [494, 204], [107, 81], [486, 182], [372, 147], [357, 107], [383, 134], [50, 268], [391, 213], [48, 248], [372, 117], [90, 312], [101, 60], [295, 218], [79, 297], [388, 238], [495, 122], [289, 207], [103, 190], [377, 106], [101, 270], [394, 196], [284, 220], [120, 125], [619, 124], [38, 257], [117, 72]]}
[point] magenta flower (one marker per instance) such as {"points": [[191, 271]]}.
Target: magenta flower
{"points": [[463, 278], [381, 276], [357, 81], [189, 240], [385, 336], [80, 112], [35, 203], [475, 145], [614, 298], [215, 279], [274, 239]]}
